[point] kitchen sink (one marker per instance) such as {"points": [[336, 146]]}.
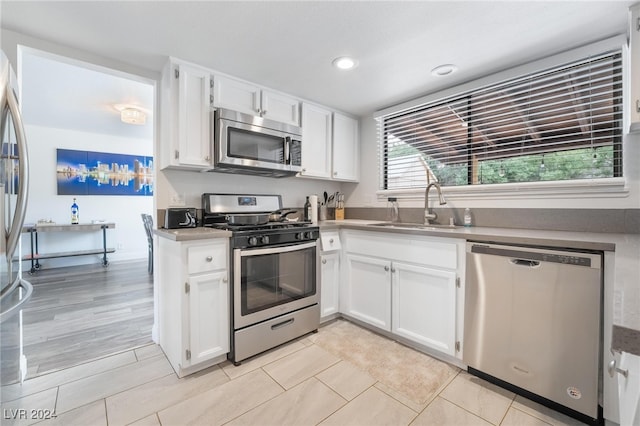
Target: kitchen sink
{"points": [[432, 226]]}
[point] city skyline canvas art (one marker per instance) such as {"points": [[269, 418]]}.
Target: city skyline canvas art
{"points": [[102, 173]]}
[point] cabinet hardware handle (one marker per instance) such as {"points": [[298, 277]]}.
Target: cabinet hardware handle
{"points": [[393, 270], [304, 170], [209, 258], [613, 369], [225, 280], [335, 173], [331, 241], [207, 158], [637, 105], [176, 154], [386, 268], [638, 25], [324, 261]]}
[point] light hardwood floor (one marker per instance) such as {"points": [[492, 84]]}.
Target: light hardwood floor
{"points": [[343, 375], [85, 312]]}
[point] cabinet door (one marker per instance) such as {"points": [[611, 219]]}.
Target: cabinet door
{"points": [[424, 305], [368, 290], [329, 283], [208, 317], [634, 56], [629, 389], [279, 107], [346, 160], [194, 95], [236, 95], [316, 141]]}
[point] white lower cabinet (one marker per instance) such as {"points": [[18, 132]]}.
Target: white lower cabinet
{"points": [[424, 305], [207, 299], [408, 285], [329, 259], [368, 290], [329, 284], [193, 302]]}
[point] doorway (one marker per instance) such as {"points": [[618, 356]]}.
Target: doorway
{"points": [[80, 309]]}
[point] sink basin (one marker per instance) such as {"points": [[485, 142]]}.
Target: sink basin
{"points": [[414, 225]]}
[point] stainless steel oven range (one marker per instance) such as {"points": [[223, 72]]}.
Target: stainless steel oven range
{"points": [[274, 293]]}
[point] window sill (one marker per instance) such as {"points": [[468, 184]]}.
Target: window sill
{"points": [[584, 188]]}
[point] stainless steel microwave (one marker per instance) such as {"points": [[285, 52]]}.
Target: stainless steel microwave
{"points": [[255, 145]]}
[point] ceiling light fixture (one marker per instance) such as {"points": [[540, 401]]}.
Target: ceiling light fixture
{"points": [[442, 70], [345, 63], [131, 114]]}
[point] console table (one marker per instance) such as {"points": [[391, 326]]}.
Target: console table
{"points": [[35, 255]]}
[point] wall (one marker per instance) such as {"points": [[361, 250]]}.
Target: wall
{"points": [[128, 237], [191, 185]]}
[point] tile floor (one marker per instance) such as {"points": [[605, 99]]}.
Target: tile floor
{"points": [[343, 375]]}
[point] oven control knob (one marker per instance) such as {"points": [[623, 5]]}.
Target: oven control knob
{"points": [[253, 241], [265, 239], [309, 235], [300, 236]]}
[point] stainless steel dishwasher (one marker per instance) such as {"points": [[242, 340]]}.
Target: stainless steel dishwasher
{"points": [[532, 320]]}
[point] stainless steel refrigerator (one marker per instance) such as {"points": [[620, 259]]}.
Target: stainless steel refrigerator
{"points": [[14, 174]]}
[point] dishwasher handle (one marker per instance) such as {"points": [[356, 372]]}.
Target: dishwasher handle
{"points": [[525, 262]]}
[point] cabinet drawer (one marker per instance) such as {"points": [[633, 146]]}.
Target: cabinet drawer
{"points": [[330, 240], [207, 257], [428, 251]]}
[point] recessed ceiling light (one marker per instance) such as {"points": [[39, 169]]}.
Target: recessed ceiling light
{"points": [[345, 63], [443, 70]]}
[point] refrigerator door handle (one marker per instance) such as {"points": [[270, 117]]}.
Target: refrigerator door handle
{"points": [[28, 287], [13, 236]]}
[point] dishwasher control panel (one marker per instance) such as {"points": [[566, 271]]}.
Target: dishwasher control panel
{"points": [[521, 256]]}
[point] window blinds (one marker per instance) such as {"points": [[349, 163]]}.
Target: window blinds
{"points": [[563, 123]]}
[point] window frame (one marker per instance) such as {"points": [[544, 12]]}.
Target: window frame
{"points": [[581, 188]]}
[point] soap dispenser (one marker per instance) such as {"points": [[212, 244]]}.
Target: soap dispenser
{"points": [[393, 214]]}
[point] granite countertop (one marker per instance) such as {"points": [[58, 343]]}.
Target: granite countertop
{"points": [[191, 234], [624, 247]]}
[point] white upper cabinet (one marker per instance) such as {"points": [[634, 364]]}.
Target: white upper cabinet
{"points": [[316, 141], [279, 107], [330, 144], [346, 159], [185, 111], [251, 99], [634, 54]]}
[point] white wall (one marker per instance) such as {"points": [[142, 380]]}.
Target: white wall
{"points": [[364, 194], [128, 237], [191, 185]]}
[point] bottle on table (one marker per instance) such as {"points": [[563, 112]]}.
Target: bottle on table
{"points": [[75, 213]]}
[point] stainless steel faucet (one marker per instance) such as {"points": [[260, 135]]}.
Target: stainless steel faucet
{"points": [[430, 215]]}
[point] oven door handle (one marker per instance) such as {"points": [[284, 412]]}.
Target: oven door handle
{"points": [[276, 250]]}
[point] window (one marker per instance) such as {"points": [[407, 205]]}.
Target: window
{"points": [[560, 124]]}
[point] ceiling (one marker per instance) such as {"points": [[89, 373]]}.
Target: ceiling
{"points": [[289, 46], [63, 94]]}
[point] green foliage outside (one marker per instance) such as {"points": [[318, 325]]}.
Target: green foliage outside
{"points": [[584, 163]]}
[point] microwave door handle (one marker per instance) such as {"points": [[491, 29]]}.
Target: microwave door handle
{"points": [[287, 150]]}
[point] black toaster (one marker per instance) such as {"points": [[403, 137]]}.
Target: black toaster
{"points": [[180, 218]]}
